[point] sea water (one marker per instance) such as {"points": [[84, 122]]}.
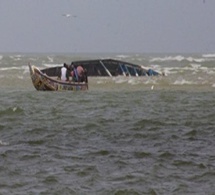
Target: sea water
{"points": [[125, 135]]}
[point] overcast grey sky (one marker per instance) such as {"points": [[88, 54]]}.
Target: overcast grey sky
{"points": [[138, 26]]}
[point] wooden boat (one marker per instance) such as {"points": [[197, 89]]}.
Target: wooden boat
{"points": [[45, 82], [107, 68]]}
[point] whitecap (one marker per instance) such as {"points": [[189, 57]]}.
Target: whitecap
{"points": [[50, 59], [16, 57], [3, 143], [10, 68], [158, 69], [208, 55], [119, 81], [204, 69], [171, 70], [210, 72], [183, 82], [195, 66], [26, 69], [122, 56], [14, 68], [133, 81], [168, 58], [199, 60], [178, 58]]}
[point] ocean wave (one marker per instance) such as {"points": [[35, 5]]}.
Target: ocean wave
{"points": [[51, 59], [120, 80], [178, 58], [11, 111], [122, 56], [3, 143], [208, 55], [133, 81], [190, 59], [195, 66], [184, 82], [191, 69], [9, 68], [16, 57], [167, 58], [14, 68]]}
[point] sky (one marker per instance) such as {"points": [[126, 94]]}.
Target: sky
{"points": [[99, 26]]}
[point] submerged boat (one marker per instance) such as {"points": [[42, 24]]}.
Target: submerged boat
{"points": [[46, 82], [106, 68], [47, 79]]}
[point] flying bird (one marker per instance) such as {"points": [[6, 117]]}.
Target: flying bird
{"points": [[69, 15], [66, 15]]}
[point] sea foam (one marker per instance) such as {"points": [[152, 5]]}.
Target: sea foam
{"points": [[208, 55], [3, 143], [178, 58]]}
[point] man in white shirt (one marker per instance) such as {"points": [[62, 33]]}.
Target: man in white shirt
{"points": [[64, 73]]}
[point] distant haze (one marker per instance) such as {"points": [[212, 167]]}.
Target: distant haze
{"points": [[116, 26]]}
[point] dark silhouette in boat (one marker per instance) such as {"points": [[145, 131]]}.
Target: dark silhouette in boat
{"points": [[106, 68]]}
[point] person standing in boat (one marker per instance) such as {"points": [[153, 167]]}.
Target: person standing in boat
{"points": [[72, 74], [64, 73], [77, 73]]}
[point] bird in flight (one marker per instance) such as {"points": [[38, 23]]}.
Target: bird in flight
{"points": [[66, 15], [69, 15]]}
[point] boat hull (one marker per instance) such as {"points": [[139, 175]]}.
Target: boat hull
{"points": [[42, 82], [106, 68]]}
